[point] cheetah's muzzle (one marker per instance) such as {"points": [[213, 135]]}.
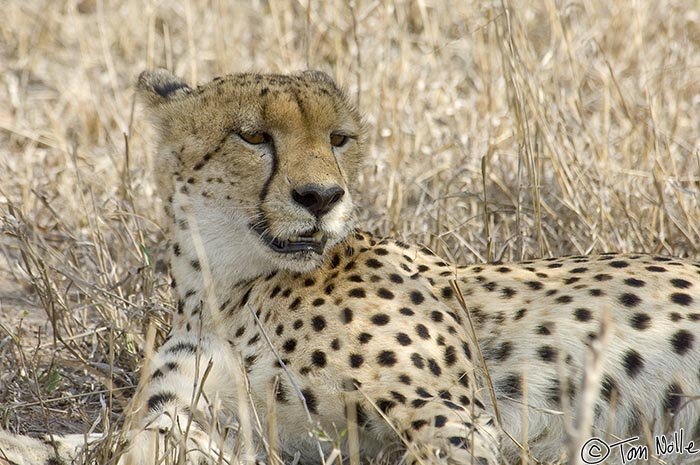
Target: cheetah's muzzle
{"points": [[314, 241]]}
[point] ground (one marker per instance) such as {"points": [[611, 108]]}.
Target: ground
{"points": [[498, 131]]}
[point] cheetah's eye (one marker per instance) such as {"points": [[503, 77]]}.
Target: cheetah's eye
{"points": [[338, 140], [255, 138]]}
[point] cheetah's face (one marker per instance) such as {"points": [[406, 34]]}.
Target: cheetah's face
{"points": [[268, 156]]}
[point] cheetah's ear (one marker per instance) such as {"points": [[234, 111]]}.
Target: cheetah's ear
{"points": [[318, 76], [160, 86]]}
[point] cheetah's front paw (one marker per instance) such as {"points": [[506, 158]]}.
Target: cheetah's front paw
{"points": [[165, 440]]}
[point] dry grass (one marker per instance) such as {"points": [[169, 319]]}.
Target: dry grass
{"points": [[499, 130]]}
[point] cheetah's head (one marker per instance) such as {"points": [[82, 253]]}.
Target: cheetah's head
{"points": [[262, 164]]}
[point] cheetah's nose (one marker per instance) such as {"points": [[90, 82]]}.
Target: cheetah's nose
{"points": [[317, 199]]}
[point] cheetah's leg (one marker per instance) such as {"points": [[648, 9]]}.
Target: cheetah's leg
{"points": [[187, 404], [438, 428]]}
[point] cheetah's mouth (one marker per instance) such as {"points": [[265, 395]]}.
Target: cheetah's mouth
{"points": [[313, 241]]}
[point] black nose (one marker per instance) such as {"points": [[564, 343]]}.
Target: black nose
{"points": [[316, 198]]}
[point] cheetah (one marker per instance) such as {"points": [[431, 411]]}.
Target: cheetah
{"points": [[282, 303]]}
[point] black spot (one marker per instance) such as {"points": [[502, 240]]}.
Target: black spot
{"points": [[289, 345], [673, 399], [582, 314], [406, 311], [157, 401], [503, 269], [357, 292], [364, 338], [640, 321], [279, 330], [544, 330], [467, 351], [381, 251], [595, 292], [554, 265], [275, 291], [380, 319], [547, 353], [356, 360], [434, 367], [508, 292], [633, 282], [418, 424], [681, 298], [386, 358], [318, 302], [602, 277], [403, 339], [182, 347], [436, 316], [318, 358], [417, 360], [395, 278], [520, 314], [295, 304], [579, 270], [534, 285], [373, 263], [385, 405], [619, 264], [447, 292], [440, 421], [405, 379], [682, 341], [298, 324], [398, 397], [281, 394], [423, 393], [422, 331], [346, 315], [656, 269], [417, 298], [634, 363], [629, 300], [450, 356], [502, 352], [335, 344], [564, 299], [310, 398], [195, 264], [385, 293], [509, 386], [308, 282], [318, 323], [680, 283], [608, 387]]}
